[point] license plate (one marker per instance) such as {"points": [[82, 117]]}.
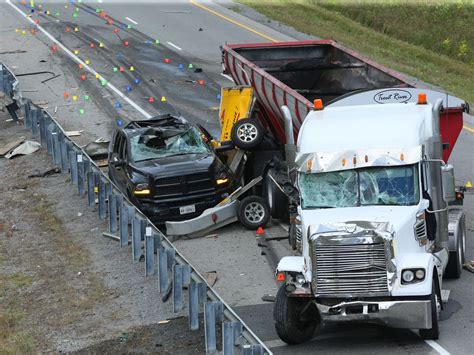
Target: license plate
{"points": [[187, 209]]}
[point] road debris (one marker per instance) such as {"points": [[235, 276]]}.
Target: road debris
{"points": [[268, 298], [10, 146], [46, 173], [469, 266], [24, 148], [211, 277], [74, 133]]}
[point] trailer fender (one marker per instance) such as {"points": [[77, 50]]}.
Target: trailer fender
{"points": [[415, 261]]}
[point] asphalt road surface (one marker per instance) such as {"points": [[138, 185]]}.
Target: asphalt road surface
{"points": [[190, 33]]}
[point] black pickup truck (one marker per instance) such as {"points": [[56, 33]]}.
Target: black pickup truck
{"points": [[168, 168]]}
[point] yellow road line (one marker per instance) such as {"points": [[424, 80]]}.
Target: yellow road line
{"points": [[195, 3], [467, 128]]}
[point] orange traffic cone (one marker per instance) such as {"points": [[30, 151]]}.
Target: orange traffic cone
{"points": [[260, 231]]}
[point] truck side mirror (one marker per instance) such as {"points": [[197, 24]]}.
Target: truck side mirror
{"points": [[449, 188]]}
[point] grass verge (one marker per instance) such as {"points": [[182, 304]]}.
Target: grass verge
{"points": [[337, 20]]}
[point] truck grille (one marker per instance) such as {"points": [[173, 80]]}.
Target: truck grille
{"points": [[349, 270], [184, 185]]}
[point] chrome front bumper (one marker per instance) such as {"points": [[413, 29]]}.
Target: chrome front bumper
{"points": [[396, 314]]}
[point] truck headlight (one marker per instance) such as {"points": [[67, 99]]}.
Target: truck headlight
{"points": [[141, 190], [413, 275], [222, 179], [408, 276]]}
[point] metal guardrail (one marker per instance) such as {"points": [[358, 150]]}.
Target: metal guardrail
{"points": [[131, 226]]}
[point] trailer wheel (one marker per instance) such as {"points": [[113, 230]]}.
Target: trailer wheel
{"points": [[433, 332], [253, 212], [456, 258], [291, 325], [277, 200], [247, 133]]}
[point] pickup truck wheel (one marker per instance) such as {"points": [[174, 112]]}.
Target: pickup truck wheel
{"points": [[290, 325], [247, 133], [277, 200], [433, 332], [253, 212], [456, 258]]}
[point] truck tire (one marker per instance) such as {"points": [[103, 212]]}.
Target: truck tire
{"points": [[288, 323], [276, 199], [247, 133], [456, 258], [253, 212], [433, 332]]}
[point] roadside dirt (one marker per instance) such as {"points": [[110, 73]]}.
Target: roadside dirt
{"points": [[63, 287]]}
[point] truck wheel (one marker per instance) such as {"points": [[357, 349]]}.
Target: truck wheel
{"points": [[277, 200], [433, 332], [247, 133], [456, 258], [290, 325], [253, 212]]}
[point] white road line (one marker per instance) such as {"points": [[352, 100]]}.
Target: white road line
{"points": [[228, 77], [131, 20], [174, 46], [436, 346], [79, 61]]}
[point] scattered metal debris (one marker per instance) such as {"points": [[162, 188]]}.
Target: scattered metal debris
{"points": [[46, 173], [13, 52], [24, 148], [268, 298], [211, 277], [469, 266]]}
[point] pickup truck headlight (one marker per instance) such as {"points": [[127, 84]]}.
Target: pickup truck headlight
{"points": [[410, 276], [222, 179], [141, 190]]}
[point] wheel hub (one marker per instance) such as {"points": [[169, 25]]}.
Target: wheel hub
{"points": [[254, 212], [247, 132]]}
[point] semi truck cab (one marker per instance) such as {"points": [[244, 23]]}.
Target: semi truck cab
{"points": [[375, 222]]}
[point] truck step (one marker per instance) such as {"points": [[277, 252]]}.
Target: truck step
{"points": [[445, 295]]}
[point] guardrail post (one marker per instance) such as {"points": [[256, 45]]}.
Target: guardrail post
{"points": [[56, 151], [163, 269], [34, 121], [186, 275], [113, 213], [26, 112], [219, 311], [42, 130], [73, 167], [123, 225], [108, 189], [228, 341], [64, 153], [177, 288], [90, 189], [193, 306], [80, 175], [171, 254], [210, 327], [136, 238], [202, 293], [149, 252], [102, 211]]}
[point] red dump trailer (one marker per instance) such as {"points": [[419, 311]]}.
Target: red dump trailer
{"points": [[296, 73]]}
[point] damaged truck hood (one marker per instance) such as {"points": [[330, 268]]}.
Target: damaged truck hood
{"points": [[398, 218], [176, 164]]}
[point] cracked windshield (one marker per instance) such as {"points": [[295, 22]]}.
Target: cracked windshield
{"points": [[156, 143], [360, 187]]}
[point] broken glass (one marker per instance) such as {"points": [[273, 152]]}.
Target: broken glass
{"points": [[396, 185], [155, 144], [326, 190]]}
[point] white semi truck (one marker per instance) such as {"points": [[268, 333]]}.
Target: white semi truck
{"points": [[375, 221]]}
